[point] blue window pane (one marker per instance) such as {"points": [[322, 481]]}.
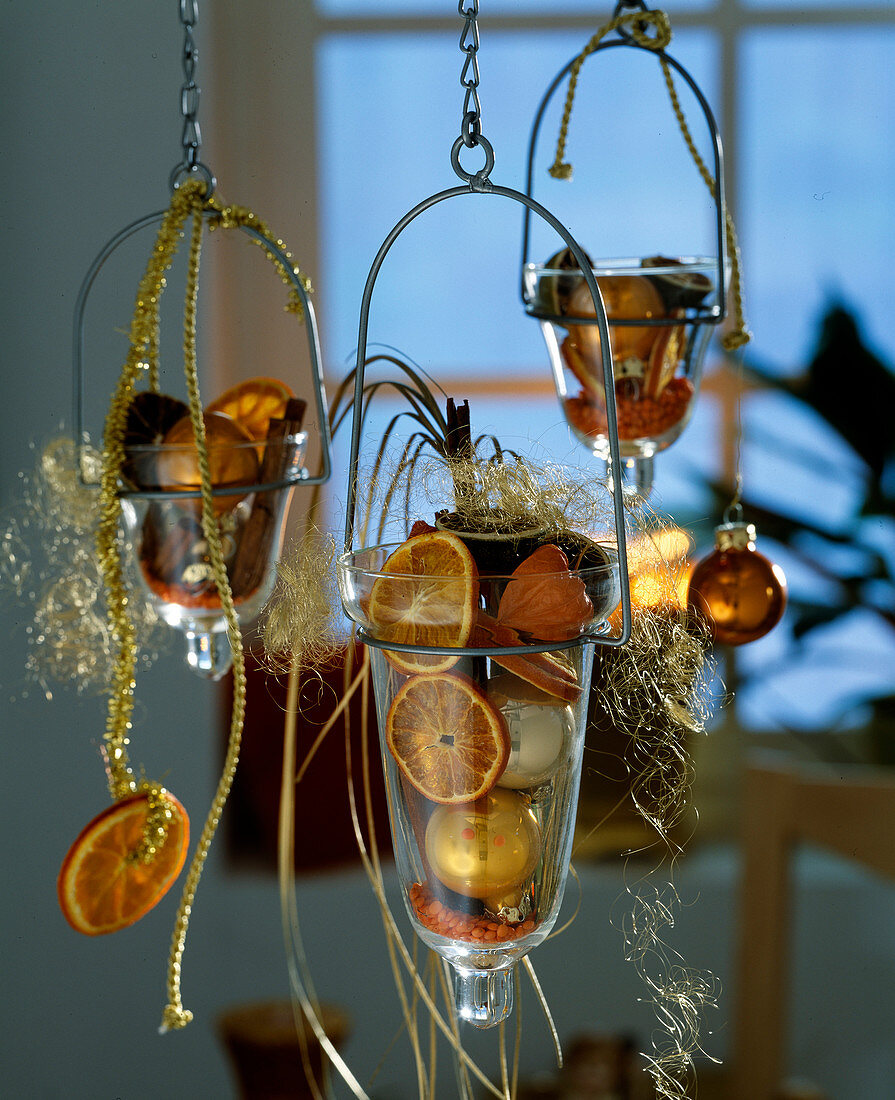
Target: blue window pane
{"points": [[390, 109], [803, 5], [816, 161], [424, 8]]}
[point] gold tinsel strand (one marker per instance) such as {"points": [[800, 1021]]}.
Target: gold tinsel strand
{"points": [[187, 200], [229, 217], [143, 325]]}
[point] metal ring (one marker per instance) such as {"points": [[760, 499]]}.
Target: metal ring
{"points": [[475, 179], [182, 172], [631, 5], [733, 513], [597, 636]]}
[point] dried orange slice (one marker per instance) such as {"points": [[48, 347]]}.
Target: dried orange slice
{"points": [[101, 887], [450, 742], [253, 403], [427, 595]]}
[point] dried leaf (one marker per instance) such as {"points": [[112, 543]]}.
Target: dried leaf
{"points": [[544, 599]]}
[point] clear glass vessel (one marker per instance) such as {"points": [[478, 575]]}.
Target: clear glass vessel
{"points": [[164, 523], [660, 312], [359, 570], [481, 751]]}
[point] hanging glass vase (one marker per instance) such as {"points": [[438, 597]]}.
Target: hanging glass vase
{"points": [[254, 445], [481, 750], [658, 349], [166, 536], [661, 309], [481, 638]]}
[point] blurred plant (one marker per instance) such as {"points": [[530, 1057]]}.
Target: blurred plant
{"points": [[853, 391], [445, 435]]}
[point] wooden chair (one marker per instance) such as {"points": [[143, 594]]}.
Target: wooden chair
{"points": [[850, 811]]}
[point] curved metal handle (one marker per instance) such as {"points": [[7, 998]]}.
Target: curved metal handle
{"points": [[310, 322], [531, 206], [718, 158]]}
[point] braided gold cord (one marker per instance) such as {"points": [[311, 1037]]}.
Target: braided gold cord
{"points": [[153, 350], [174, 1014], [637, 24], [739, 334]]}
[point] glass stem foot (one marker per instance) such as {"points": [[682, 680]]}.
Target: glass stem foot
{"points": [[636, 477], [208, 654], [484, 998]]}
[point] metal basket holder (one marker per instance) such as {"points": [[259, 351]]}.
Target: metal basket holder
{"points": [[303, 475], [708, 315], [191, 167], [209, 652], [480, 185], [713, 315]]}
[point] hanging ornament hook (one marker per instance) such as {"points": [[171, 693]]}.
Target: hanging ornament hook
{"points": [[190, 167], [626, 8], [471, 123]]}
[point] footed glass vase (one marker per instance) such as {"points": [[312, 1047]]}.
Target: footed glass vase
{"points": [[481, 749], [164, 526], [659, 312]]}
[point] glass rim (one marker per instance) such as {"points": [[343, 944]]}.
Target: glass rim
{"points": [[294, 438], [346, 564], [633, 265]]}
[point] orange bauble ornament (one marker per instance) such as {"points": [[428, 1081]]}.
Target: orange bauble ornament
{"points": [[740, 594]]}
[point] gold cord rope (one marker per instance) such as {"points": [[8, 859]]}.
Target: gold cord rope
{"points": [[638, 25], [174, 1015]]}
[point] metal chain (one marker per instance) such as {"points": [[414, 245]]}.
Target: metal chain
{"points": [[471, 123], [191, 139]]}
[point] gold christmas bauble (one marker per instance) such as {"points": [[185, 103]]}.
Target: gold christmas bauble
{"points": [[486, 849]]}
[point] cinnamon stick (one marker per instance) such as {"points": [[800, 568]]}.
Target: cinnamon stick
{"points": [[250, 561], [458, 444], [458, 437]]}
